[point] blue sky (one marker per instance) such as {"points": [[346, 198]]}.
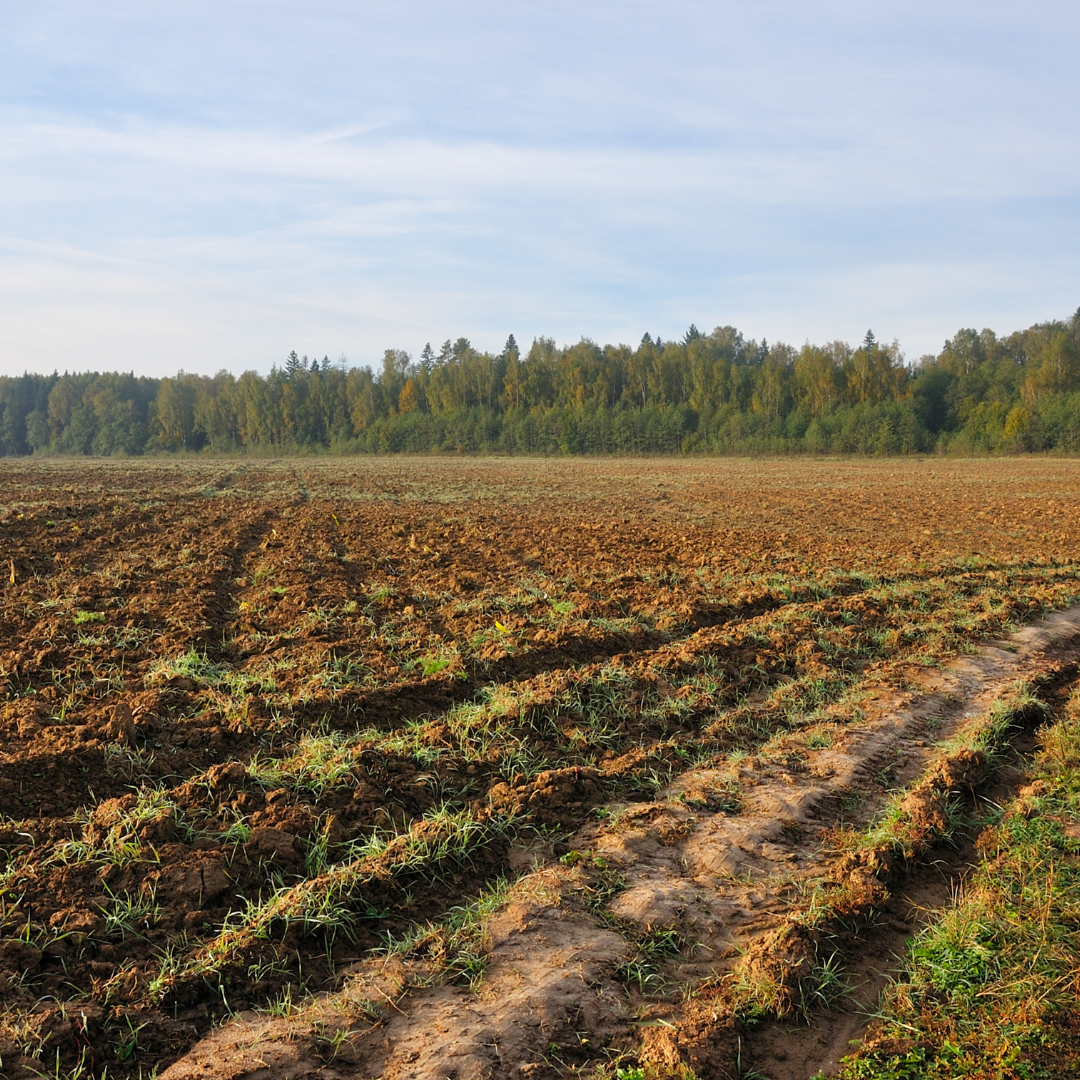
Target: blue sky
{"points": [[211, 184]]}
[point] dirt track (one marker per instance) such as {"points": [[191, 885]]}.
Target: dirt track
{"points": [[640, 690], [723, 881]]}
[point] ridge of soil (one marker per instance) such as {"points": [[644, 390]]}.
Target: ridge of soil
{"points": [[720, 880], [257, 718]]}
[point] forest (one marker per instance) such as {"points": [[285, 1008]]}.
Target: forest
{"points": [[715, 393]]}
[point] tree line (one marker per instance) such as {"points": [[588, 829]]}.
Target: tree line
{"points": [[711, 393]]}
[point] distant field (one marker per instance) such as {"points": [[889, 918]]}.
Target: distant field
{"points": [[261, 719]]}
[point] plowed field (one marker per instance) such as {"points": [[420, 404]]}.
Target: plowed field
{"points": [[528, 768]]}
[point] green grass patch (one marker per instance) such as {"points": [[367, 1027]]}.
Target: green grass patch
{"points": [[432, 848], [992, 989]]}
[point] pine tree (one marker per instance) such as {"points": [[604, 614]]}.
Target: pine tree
{"points": [[427, 359]]}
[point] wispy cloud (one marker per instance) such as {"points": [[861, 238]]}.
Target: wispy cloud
{"points": [[215, 184]]}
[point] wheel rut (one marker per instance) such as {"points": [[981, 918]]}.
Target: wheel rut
{"points": [[571, 976]]}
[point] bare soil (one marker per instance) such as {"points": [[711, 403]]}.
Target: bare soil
{"points": [[653, 688]]}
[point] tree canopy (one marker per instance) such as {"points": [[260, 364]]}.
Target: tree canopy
{"points": [[715, 393]]}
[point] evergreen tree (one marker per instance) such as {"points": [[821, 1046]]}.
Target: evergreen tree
{"points": [[427, 359], [710, 392]]}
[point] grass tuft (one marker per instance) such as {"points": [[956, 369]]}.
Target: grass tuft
{"points": [[991, 988]]}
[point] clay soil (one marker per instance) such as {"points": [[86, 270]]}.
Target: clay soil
{"points": [[268, 729]]}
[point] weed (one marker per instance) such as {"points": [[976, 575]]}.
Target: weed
{"points": [[117, 838], [128, 914], [134, 763], [652, 948], [993, 979], [193, 665], [326, 905], [457, 944], [238, 832], [826, 985], [432, 664], [319, 764], [128, 1044], [380, 592], [284, 1004], [639, 973]]}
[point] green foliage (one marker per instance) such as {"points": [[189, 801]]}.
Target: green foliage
{"points": [[458, 944], [332, 902], [117, 839], [715, 392], [319, 764], [642, 971], [990, 988], [908, 1065]]}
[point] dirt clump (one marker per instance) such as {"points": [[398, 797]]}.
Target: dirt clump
{"points": [[120, 726], [966, 768], [705, 1040], [258, 721], [926, 811], [777, 965], [272, 844], [555, 796]]}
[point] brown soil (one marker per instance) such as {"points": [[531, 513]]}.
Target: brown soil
{"points": [[172, 636], [722, 881]]}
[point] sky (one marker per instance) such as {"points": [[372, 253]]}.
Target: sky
{"points": [[210, 185]]}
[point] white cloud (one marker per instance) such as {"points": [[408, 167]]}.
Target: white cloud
{"points": [[215, 183]]}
